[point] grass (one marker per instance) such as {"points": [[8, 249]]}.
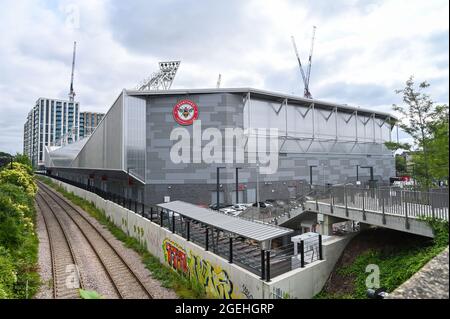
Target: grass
{"points": [[395, 267], [165, 275]]}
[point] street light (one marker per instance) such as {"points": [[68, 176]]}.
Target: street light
{"points": [[218, 186], [310, 174], [357, 174], [257, 190], [237, 184], [372, 180]]}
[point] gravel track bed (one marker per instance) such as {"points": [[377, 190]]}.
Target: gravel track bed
{"points": [[45, 269], [93, 274]]}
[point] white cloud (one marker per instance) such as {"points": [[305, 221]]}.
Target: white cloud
{"points": [[363, 50]]}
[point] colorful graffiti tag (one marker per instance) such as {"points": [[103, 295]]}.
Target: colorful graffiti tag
{"points": [[214, 279], [175, 256]]}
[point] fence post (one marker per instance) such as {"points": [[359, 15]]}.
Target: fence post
{"points": [[406, 213], [382, 207], [263, 265], [346, 202], [173, 222], [151, 213], [331, 201], [320, 247], [188, 230], [433, 214], [143, 209], [302, 254], [207, 239], [230, 260], [161, 218], [268, 266], [363, 204], [135, 206]]}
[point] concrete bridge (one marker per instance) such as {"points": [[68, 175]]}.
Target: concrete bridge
{"points": [[396, 209]]}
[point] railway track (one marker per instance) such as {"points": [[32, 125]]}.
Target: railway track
{"points": [[124, 279], [64, 264]]}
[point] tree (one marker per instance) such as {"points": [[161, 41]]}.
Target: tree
{"points": [[400, 165], [417, 112], [437, 145]]}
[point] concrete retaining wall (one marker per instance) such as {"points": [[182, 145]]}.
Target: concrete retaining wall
{"points": [[219, 278]]}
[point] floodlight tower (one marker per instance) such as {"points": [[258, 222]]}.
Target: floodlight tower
{"points": [[163, 79]]}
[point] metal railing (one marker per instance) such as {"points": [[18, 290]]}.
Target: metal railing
{"points": [[386, 200], [242, 251]]}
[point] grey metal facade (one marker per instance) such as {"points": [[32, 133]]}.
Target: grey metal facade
{"points": [[134, 137]]}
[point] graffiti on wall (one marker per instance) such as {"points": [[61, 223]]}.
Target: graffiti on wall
{"points": [[215, 280], [175, 256]]}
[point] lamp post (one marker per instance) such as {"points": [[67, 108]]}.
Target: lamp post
{"points": [[257, 191], [357, 174], [372, 180], [218, 186], [237, 184], [310, 174]]}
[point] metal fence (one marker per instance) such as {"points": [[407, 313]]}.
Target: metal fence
{"points": [[242, 251], [386, 200]]}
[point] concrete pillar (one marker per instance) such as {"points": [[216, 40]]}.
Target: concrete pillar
{"points": [[326, 226]]}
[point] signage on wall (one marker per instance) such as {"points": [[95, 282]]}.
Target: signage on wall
{"points": [[185, 112]]}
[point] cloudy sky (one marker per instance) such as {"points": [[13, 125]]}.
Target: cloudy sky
{"points": [[364, 50]]}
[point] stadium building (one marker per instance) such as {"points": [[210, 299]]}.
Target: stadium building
{"points": [[131, 151]]}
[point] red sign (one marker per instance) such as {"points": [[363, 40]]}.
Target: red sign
{"points": [[185, 112]]}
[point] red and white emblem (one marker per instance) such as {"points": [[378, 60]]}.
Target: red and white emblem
{"points": [[185, 112]]}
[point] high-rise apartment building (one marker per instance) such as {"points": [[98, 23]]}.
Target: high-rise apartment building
{"points": [[49, 122], [88, 122]]}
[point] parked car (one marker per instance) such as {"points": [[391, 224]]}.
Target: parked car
{"points": [[227, 210], [262, 205], [214, 206], [241, 207]]}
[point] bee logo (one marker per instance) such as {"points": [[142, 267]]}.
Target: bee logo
{"points": [[185, 112]]}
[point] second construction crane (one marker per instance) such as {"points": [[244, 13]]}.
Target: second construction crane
{"points": [[72, 92], [305, 76]]}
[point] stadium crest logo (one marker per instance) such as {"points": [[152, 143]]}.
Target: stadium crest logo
{"points": [[185, 112]]}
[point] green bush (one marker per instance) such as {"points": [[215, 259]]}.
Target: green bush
{"points": [[7, 274], [18, 239]]}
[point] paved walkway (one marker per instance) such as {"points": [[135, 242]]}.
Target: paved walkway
{"points": [[431, 282]]}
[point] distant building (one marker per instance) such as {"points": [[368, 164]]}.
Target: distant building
{"points": [[54, 122], [88, 122]]}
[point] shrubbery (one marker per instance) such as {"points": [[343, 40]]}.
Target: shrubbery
{"points": [[18, 240]]}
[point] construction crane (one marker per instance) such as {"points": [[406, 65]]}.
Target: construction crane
{"points": [[305, 76], [219, 80], [72, 92]]}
